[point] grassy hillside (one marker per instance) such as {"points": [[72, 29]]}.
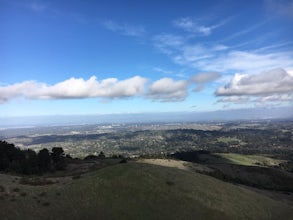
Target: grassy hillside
{"points": [[136, 191], [250, 160]]}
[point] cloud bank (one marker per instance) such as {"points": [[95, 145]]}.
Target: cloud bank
{"points": [[164, 90], [271, 86], [75, 88], [275, 86]]}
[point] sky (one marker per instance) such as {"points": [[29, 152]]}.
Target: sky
{"points": [[107, 57]]}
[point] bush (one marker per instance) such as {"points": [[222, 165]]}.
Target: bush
{"points": [[16, 190], [35, 181], [46, 204], [76, 177], [23, 194], [42, 194], [170, 183], [2, 188], [123, 161]]}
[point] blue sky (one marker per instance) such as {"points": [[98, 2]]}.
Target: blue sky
{"points": [[100, 57]]}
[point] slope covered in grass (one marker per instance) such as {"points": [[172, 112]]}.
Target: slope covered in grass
{"points": [[137, 191], [250, 160]]}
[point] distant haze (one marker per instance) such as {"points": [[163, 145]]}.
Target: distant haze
{"points": [[168, 117]]}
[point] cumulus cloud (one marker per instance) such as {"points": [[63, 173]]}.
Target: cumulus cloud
{"points": [[125, 29], [202, 78], [74, 88], [275, 81], [164, 90], [167, 89], [12, 91], [271, 86]]}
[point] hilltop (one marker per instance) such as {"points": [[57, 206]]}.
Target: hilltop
{"points": [[147, 189]]}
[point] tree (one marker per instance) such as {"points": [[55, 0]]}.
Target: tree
{"points": [[30, 164], [44, 160], [57, 154], [101, 155], [58, 158], [11, 158]]}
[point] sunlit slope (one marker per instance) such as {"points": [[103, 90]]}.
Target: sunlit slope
{"points": [[139, 191], [250, 160]]}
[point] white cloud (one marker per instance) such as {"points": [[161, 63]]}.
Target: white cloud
{"points": [[167, 89], [276, 98], [220, 47], [12, 91], [243, 61], [161, 70], [266, 83], [74, 88], [235, 99], [168, 43], [246, 30], [125, 29], [219, 57], [271, 86], [192, 26]]}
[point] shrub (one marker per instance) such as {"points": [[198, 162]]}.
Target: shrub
{"points": [[123, 161], [46, 204], [16, 190], [76, 177], [35, 181], [23, 194], [42, 194], [170, 183]]}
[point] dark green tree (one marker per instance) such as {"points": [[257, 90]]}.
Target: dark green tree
{"points": [[44, 160], [57, 154], [30, 164], [58, 158], [101, 155]]}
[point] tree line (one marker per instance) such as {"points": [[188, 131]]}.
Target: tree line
{"points": [[13, 159]]}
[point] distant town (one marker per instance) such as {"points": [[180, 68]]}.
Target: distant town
{"points": [[131, 140]]}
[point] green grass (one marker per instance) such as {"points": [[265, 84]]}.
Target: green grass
{"points": [[249, 160], [138, 191]]}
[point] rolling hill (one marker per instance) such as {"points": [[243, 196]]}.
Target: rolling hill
{"points": [[136, 191]]}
